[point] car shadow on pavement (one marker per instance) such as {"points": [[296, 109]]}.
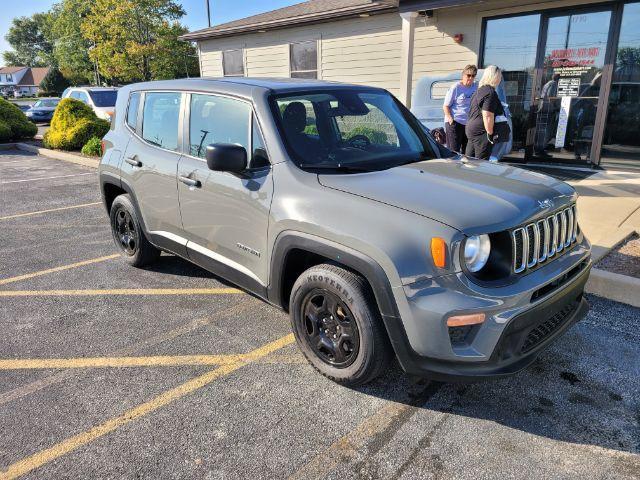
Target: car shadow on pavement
{"points": [[584, 390], [174, 265]]}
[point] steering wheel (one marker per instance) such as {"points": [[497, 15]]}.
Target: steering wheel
{"points": [[359, 141]]}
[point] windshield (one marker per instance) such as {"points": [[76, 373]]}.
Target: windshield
{"points": [[103, 98], [349, 129], [47, 103]]}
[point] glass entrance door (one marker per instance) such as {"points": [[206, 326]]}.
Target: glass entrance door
{"points": [[568, 86], [621, 142]]}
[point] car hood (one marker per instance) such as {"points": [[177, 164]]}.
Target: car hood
{"points": [[472, 196], [42, 109]]}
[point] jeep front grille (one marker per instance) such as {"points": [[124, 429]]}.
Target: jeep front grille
{"points": [[544, 239]]}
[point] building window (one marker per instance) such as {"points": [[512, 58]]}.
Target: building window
{"points": [[233, 63], [9, 78], [511, 43], [304, 59]]}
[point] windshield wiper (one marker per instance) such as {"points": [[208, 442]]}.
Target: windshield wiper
{"points": [[343, 167]]}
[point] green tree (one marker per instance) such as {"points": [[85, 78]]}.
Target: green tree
{"points": [[32, 41], [132, 38], [54, 82], [71, 49], [174, 58]]}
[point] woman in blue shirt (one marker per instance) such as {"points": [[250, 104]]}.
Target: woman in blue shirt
{"points": [[456, 109]]}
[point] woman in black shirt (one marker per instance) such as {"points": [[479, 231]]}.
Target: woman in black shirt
{"points": [[485, 105]]}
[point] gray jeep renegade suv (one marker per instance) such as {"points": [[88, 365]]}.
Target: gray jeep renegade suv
{"points": [[332, 202]]}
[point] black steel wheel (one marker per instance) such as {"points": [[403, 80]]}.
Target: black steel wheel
{"points": [[125, 230], [128, 234], [330, 328], [337, 325]]}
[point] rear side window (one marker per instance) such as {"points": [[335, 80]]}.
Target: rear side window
{"points": [[160, 119], [217, 120], [132, 110]]}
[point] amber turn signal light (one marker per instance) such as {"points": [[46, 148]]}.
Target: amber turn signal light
{"points": [[464, 320], [439, 252]]}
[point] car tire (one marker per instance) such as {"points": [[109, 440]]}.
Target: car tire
{"points": [[337, 325], [128, 234]]}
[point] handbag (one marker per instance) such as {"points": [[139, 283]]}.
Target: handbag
{"points": [[501, 130]]}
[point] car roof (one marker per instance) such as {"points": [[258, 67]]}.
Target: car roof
{"points": [[94, 88], [244, 86]]}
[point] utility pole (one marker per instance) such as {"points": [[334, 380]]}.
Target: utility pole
{"points": [[208, 13]]}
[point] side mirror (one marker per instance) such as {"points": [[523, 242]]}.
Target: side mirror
{"points": [[226, 157]]}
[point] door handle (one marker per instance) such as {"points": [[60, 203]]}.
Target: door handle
{"points": [[190, 181], [133, 160]]}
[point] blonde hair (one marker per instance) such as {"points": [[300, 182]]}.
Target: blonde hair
{"points": [[492, 76]]}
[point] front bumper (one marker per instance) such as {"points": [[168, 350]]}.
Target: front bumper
{"points": [[517, 329]]}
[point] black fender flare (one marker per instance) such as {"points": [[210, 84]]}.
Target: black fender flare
{"points": [[107, 178], [289, 240]]}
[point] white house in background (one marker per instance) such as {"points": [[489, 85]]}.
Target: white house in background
{"points": [[26, 80]]}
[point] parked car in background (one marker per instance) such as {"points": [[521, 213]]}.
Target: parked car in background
{"points": [[428, 97], [330, 201], [42, 110], [101, 99]]}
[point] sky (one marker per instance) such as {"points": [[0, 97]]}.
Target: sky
{"points": [[196, 18]]}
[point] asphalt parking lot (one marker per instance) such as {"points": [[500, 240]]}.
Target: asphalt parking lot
{"points": [[107, 371]]}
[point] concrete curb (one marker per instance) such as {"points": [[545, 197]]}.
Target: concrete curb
{"points": [[59, 155], [614, 286]]}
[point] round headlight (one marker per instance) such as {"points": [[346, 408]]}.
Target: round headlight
{"points": [[476, 252]]}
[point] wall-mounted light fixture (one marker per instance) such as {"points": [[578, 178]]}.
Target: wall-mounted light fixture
{"points": [[458, 37]]}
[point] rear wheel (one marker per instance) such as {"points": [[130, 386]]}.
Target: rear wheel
{"points": [[337, 325], [128, 235]]}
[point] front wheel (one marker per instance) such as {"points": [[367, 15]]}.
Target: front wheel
{"points": [[337, 325], [128, 234]]}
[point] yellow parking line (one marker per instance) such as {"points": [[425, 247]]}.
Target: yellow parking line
{"points": [[119, 291], [4, 281], [117, 362], [43, 457], [28, 214]]}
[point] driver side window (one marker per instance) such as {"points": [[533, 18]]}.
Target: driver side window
{"points": [[375, 126], [215, 119]]}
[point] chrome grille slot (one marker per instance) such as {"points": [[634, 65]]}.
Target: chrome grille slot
{"points": [[534, 245], [520, 246], [562, 232], [543, 228], [553, 235], [540, 241]]}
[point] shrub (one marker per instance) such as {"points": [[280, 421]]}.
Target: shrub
{"points": [[43, 93], [5, 132], [377, 137], [93, 147], [73, 125], [14, 124]]}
